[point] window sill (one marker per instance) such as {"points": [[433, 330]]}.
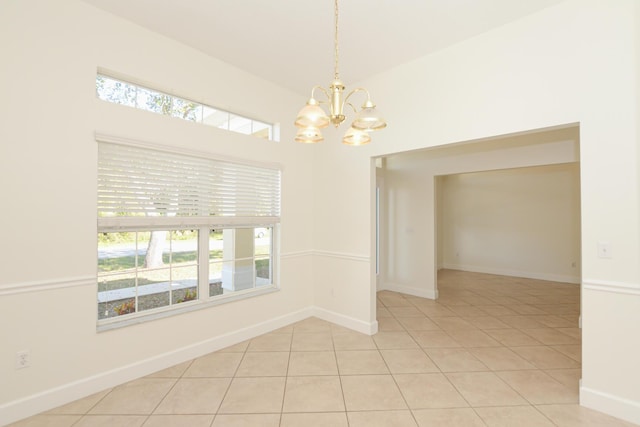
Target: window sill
{"points": [[161, 313]]}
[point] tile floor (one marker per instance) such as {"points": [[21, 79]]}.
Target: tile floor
{"points": [[492, 351]]}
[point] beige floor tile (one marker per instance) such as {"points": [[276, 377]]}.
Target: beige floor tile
{"points": [[254, 395], [521, 416], [549, 336], [241, 347], [107, 421], [568, 377], [477, 300], [312, 324], [134, 398], [389, 324], [52, 420], [284, 330], [80, 406], [358, 362], [526, 309], [500, 358], [552, 321], [545, 357], [473, 338], [321, 341], [429, 391], [383, 312], [394, 340], [381, 419], [538, 387], [458, 417], [312, 363], [179, 421], [497, 310], [271, 342], [504, 301], [418, 324], [452, 323], [485, 389], [175, 371], [410, 311], [395, 300], [408, 362], [575, 333], [194, 396], [521, 322], [573, 351], [512, 337], [486, 322], [313, 394], [371, 392], [322, 419], [434, 339], [436, 311], [579, 416], [246, 420], [214, 365], [353, 341], [264, 364], [455, 360], [467, 311]]}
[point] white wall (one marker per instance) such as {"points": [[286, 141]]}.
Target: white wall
{"points": [[521, 222], [571, 63], [48, 165]]}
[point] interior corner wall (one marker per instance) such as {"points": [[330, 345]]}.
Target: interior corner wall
{"points": [[521, 222], [48, 169], [575, 62]]}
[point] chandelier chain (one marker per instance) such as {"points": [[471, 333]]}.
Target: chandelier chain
{"points": [[335, 41]]}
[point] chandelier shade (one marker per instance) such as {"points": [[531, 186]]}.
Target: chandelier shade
{"points": [[368, 119], [309, 135], [356, 137], [312, 117]]}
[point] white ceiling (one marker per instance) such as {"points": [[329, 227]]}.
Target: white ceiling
{"points": [[290, 42]]}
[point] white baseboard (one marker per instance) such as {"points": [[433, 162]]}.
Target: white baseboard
{"points": [[416, 292], [615, 406], [57, 396], [346, 321], [514, 273]]}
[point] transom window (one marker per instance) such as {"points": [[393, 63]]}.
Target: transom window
{"points": [[126, 93], [179, 231]]}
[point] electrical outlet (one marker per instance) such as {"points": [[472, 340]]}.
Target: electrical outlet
{"points": [[604, 250], [23, 359]]}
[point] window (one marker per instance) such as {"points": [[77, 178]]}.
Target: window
{"points": [[125, 93], [178, 231]]}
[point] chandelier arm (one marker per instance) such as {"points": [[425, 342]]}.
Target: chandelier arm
{"points": [[323, 91], [355, 110], [358, 89]]}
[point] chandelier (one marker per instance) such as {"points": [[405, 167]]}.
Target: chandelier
{"points": [[312, 117]]}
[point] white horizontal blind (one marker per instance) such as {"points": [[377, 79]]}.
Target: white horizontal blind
{"points": [[134, 181]]}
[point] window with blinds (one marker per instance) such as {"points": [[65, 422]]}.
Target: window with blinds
{"points": [[177, 228]]}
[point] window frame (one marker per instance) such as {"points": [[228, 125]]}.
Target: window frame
{"points": [[203, 224], [198, 108]]}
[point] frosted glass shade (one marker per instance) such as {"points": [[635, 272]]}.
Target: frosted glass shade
{"points": [[368, 119], [312, 115], [356, 137], [309, 135]]}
